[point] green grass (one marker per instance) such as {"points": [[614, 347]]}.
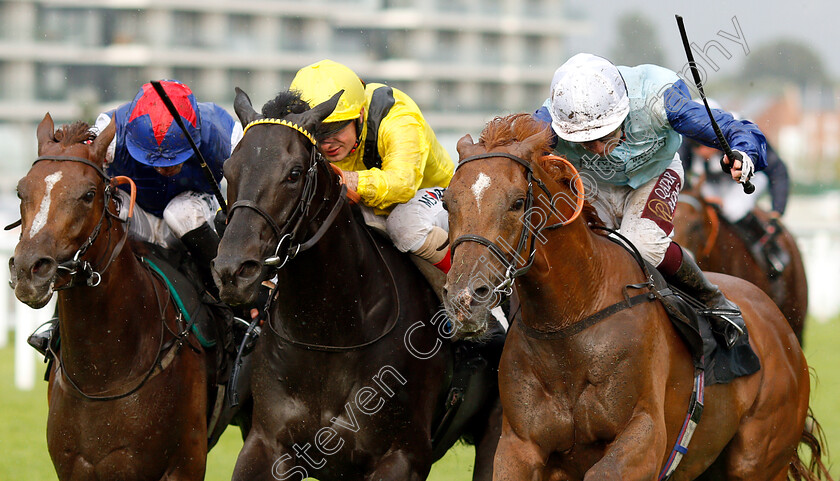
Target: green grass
{"points": [[23, 419]]}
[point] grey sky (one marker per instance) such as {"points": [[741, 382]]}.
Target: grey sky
{"points": [[813, 22]]}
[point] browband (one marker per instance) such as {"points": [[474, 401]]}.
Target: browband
{"points": [[288, 124]]}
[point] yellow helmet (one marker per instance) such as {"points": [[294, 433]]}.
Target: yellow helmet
{"points": [[318, 82]]}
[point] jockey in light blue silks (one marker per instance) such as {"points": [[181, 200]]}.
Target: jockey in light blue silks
{"points": [[622, 127]]}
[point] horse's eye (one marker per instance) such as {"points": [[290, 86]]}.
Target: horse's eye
{"points": [[518, 204], [89, 196], [294, 175], [445, 206]]}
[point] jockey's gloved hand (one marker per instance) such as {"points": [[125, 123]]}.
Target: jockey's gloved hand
{"points": [[745, 167]]}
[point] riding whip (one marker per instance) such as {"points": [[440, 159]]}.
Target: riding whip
{"points": [[208, 174], [748, 187]]}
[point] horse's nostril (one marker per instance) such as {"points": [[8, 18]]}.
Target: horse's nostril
{"points": [[482, 294], [43, 267], [249, 269]]}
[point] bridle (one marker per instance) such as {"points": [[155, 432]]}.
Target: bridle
{"points": [[505, 287], [293, 227], [77, 267], [288, 246]]}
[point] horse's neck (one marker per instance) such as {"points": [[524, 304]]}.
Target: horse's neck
{"points": [[568, 279], [106, 330], [336, 288]]}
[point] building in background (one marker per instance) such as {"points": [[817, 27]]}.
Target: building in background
{"points": [[462, 61]]}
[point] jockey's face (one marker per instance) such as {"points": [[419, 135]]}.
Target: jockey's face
{"points": [[169, 171], [605, 145], [337, 146]]}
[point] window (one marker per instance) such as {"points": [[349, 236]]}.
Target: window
{"points": [[52, 82], [533, 46], [187, 26], [70, 26], [293, 34], [453, 5], [241, 33], [126, 82], [447, 46], [491, 48], [347, 40], [189, 76], [386, 4], [492, 97], [447, 97], [390, 44], [122, 27], [240, 78]]}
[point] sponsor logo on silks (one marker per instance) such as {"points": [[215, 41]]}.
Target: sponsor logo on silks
{"points": [[662, 200], [431, 197]]}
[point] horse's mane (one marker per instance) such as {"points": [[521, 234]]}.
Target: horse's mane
{"points": [[285, 103], [507, 130], [76, 133]]}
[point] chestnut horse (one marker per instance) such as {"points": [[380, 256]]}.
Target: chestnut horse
{"points": [[717, 247], [127, 391], [606, 399], [350, 371]]}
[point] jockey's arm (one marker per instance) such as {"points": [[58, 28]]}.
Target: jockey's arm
{"points": [[404, 151], [691, 119]]}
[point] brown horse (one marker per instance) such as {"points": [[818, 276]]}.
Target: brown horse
{"points": [[351, 369], [127, 391], [603, 400], [718, 247]]}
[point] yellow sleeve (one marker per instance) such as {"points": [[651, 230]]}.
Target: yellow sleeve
{"points": [[404, 150]]}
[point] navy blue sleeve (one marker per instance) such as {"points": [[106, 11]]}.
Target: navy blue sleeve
{"points": [[690, 119], [777, 174], [542, 115]]}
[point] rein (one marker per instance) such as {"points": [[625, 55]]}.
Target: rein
{"points": [[78, 267], [529, 232], [287, 248], [291, 231]]}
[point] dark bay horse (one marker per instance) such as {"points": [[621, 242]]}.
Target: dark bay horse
{"points": [[603, 400], [718, 247], [127, 392], [352, 367]]}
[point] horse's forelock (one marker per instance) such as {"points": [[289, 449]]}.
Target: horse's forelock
{"points": [[285, 103], [507, 130], [75, 133]]}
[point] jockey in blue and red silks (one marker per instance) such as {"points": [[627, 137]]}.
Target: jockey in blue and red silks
{"points": [[175, 202], [174, 198], [622, 127]]}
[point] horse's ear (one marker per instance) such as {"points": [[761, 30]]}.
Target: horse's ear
{"points": [[45, 132], [103, 140], [530, 144], [318, 113], [243, 108], [463, 144]]}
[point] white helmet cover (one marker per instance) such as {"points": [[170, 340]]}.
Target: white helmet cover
{"points": [[588, 98]]}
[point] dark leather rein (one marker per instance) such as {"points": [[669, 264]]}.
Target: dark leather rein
{"points": [[511, 270], [77, 267], [288, 247]]}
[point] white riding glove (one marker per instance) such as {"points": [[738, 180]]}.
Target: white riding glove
{"points": [[747, 167]]}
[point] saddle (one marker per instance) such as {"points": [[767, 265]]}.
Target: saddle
{"points": [[475, 367], [709, 352], [211, 323], [762, 238]]}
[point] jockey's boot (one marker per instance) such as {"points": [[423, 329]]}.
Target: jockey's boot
{"points": [[724, 314], [41, 338], [203, 245]]}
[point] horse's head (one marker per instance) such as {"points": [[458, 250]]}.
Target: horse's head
{"points": [[487, 202], [692, 223], [271, 178], [62, 204]]}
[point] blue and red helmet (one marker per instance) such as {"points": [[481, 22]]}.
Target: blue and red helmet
{"points": [[152, 136]]}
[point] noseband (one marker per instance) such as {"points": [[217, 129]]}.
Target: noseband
{"points": [[287, 247], [511, 270], [78, 267]]}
